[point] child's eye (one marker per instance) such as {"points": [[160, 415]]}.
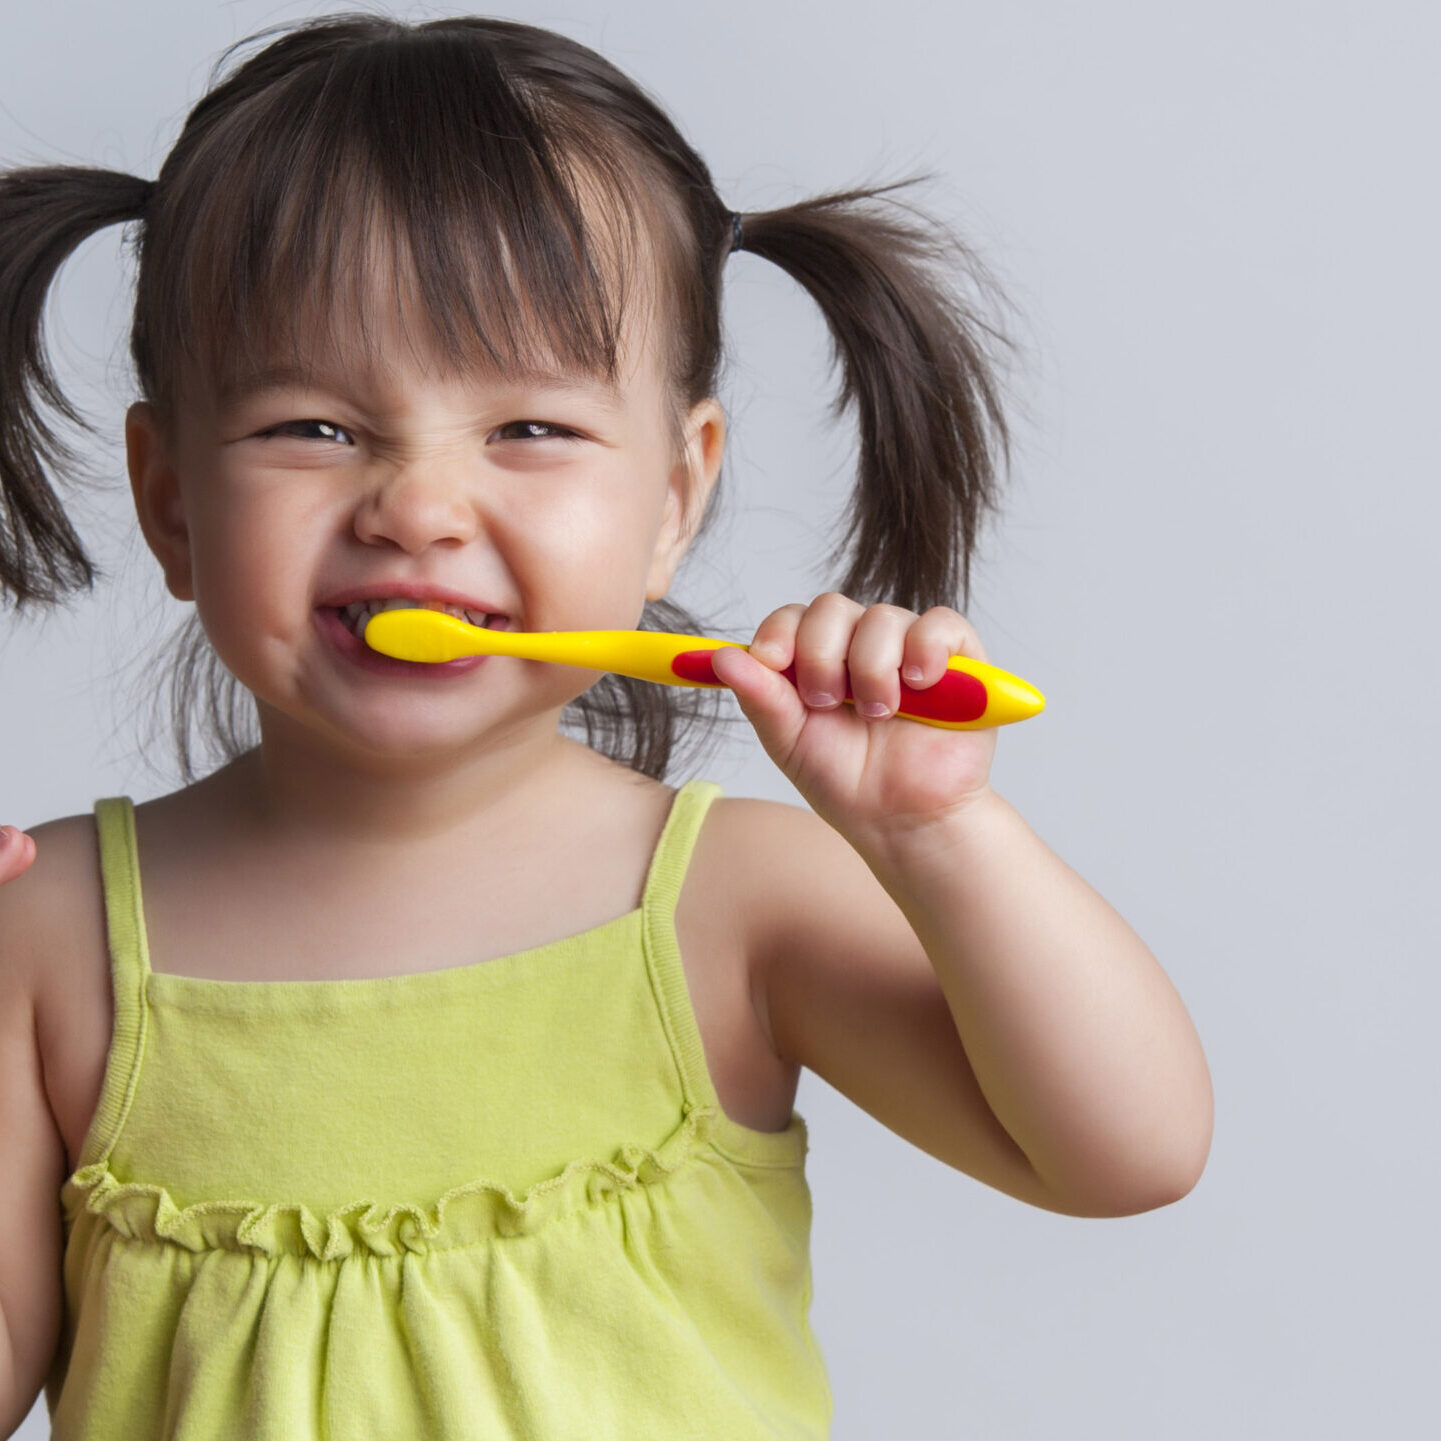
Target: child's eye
{"points": [[558, 432], [527, 428], [328, 428]]}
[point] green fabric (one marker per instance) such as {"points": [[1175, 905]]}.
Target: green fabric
{"points": [[495, 1201]]}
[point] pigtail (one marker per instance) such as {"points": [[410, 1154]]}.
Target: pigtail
{"points": [[914, 358], [44, 215]]}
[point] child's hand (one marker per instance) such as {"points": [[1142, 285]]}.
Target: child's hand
{"points": [[872, 779], [17, 850]]}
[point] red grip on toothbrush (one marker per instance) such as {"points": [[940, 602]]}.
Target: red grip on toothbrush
{"points": [[957, 696]]}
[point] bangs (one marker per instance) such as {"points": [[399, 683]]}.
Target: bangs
{"points": [[414, 175]]}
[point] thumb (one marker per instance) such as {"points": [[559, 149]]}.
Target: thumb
{"points": [[768, 700]]}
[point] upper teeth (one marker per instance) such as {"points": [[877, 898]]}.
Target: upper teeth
{"points": [[358, 614]]}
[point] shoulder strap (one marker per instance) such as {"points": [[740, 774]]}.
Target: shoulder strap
{"points": [[662, 891], [129, 966]]}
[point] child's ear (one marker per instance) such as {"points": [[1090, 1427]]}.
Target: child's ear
{"points": [[155, 485], [688, 490]]}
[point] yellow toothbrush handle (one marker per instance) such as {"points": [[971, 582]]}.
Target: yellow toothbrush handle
{"points": [[972, 695]]}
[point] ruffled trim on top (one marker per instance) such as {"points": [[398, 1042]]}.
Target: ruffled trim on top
{"points": [[464, 1215]]}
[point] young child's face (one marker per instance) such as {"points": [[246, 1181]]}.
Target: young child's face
{"points": [[263, 505]]}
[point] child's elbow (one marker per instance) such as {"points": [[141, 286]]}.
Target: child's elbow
{"points": [[1163, 1191], [1159, 1176], [1133, 1196], [1171, 1175]]}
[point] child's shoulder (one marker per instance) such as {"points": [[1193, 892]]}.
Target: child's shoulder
{"points": [[798, 882], [747, 849], [56, 902]]}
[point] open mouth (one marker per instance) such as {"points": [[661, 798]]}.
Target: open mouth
{"points": [[356, 616]]}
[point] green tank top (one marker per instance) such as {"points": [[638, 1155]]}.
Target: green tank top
{"points": [[495, 1201]]}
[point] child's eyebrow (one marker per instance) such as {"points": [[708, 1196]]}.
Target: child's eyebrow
{"points": [[579, 387]]}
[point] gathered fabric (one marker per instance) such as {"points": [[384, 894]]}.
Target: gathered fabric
{"points": [[500, 1200]]}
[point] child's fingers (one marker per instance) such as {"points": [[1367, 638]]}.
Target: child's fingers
{"points": [[768, 700], [936, 636], [774, 643]]}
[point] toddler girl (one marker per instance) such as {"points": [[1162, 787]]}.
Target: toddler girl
{"points": [[423, 1070]]}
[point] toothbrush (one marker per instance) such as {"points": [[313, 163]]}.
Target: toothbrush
{"points": [[971, 695]]}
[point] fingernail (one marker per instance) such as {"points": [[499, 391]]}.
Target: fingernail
{"points": [[820, 697], [912, 673], [875, 708]]}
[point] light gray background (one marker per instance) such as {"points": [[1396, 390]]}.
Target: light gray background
{"points": [[1220, 223]]}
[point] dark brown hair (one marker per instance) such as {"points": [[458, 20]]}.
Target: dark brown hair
{"points": [[528, 191]]}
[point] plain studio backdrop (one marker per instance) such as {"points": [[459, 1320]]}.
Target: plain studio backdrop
{"points": [[1217, 560]]}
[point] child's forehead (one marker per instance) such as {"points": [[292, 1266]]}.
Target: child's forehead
{"points": [[386, 348], [363, 376], [381, 319]]}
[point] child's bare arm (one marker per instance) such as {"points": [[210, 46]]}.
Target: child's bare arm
{"points": [[32, 1165], [984, 1004], [1084, 1050]]}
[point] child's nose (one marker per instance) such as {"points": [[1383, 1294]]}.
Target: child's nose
{"points": [[419, 503]]}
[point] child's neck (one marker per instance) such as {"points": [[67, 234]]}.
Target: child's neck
{"points": [[278, 796]]}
